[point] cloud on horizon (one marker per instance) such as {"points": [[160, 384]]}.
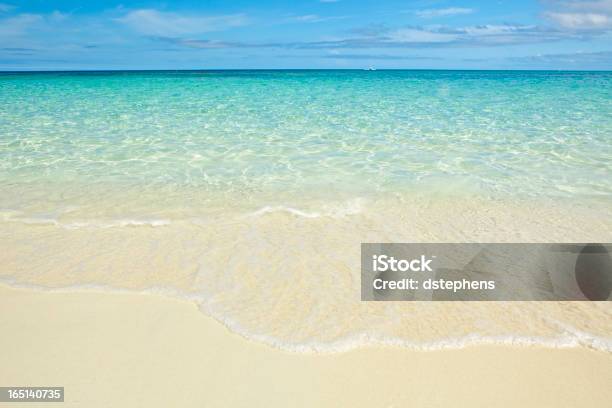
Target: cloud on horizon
{"points": [[408, 37], [147, 36], [576, 58], [387, 57]]}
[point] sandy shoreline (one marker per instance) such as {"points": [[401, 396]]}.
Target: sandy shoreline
{"points": [[129, 350]]}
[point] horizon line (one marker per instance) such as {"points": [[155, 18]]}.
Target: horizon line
{"points": [[294, 69]]}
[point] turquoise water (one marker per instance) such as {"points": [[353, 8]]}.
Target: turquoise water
{"points": [[262, 137], [250, 192]]}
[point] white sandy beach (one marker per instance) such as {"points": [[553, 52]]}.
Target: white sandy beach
{"points": [[197, 203], [205, 260], [130, 350]]}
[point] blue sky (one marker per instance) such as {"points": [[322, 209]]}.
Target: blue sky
{"points": [[188, 34]]}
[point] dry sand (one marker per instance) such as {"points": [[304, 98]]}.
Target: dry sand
{"points": [[130, 350]]}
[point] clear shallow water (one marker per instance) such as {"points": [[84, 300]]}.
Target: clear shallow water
{"points": [[260, 137], [249, 192]]}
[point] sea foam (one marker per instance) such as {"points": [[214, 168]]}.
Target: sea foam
{"points": [[567, 337]]}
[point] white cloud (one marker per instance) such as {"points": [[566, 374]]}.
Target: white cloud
{"points": [[153, 22], [414, 35], [580, 20], [581, 15], [205, 44], [593, 58], [17, 25], [571, 60], [314, 18], [308, 18], [597, 5], [488, 34], [6, 7], [493, 30], [451, 11], [58, 16]]}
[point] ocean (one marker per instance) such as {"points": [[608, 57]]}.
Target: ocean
{"points": [[249, 192]]}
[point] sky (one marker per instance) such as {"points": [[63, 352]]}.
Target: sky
{"points": [[334, 34]]}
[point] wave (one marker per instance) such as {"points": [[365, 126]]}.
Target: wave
{"points": [[573, 339], [14, 216], [280, 208], [351, 207], [568, 336]]}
